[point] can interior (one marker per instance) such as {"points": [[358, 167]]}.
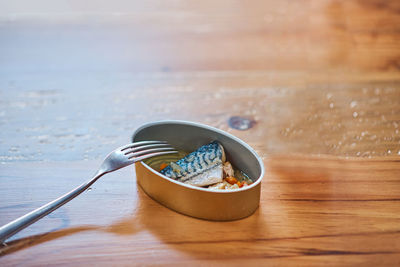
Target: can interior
{"points": [[189, 136]]}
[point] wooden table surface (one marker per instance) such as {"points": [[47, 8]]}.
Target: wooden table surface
{"points": [[320, 79]]}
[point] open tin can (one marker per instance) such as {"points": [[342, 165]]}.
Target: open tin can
{"points": [[217, 205]]}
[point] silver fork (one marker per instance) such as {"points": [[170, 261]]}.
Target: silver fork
{"points": [[119, 158]]}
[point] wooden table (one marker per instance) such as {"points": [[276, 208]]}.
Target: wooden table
{"points": [[320, 79]]}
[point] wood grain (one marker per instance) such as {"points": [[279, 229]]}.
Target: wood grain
{"points": [[320, 79], [312, 210]]}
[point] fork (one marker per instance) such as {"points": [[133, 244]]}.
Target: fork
{"points": [[119, 158]]}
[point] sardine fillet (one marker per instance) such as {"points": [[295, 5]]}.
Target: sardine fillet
{"points": [[200, 168], [211, 176]]}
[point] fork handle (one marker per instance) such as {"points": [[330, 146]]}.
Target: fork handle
{"points": [[24, 221]]}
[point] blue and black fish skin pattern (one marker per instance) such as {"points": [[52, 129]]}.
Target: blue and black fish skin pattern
{"points": [[197, 162]]}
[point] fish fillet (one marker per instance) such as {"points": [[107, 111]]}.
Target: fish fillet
{"points": [[200, 168]]}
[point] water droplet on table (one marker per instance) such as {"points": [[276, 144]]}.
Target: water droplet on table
{"points": [[240, 123], [13, 149], [328, 96]]}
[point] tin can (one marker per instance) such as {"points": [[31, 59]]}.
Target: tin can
{"points": [[203, 203]]}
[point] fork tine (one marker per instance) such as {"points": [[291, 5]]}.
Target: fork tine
{"points": [[136, 159], [129, 150], [140, 143], [147, 151]]}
